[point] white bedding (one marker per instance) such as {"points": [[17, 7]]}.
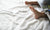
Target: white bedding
{"points": [[15, 15]]}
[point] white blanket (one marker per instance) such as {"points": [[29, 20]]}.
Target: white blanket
{"points": [[17, 16]]}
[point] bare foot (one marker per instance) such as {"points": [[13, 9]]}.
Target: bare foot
{"points": [[38, 14]]}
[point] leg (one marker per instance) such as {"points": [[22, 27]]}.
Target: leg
{"points": [[38, 14], [32, 3]]}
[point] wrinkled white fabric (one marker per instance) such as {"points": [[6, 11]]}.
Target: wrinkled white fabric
{"points": [[15, 15]]}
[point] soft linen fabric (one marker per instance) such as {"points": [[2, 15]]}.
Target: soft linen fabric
{"points": [[15, 15]]}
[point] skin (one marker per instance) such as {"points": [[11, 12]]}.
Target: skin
{"points": [[37, 14]]}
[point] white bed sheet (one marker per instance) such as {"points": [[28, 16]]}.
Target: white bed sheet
{"points": [[13, 17]]}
